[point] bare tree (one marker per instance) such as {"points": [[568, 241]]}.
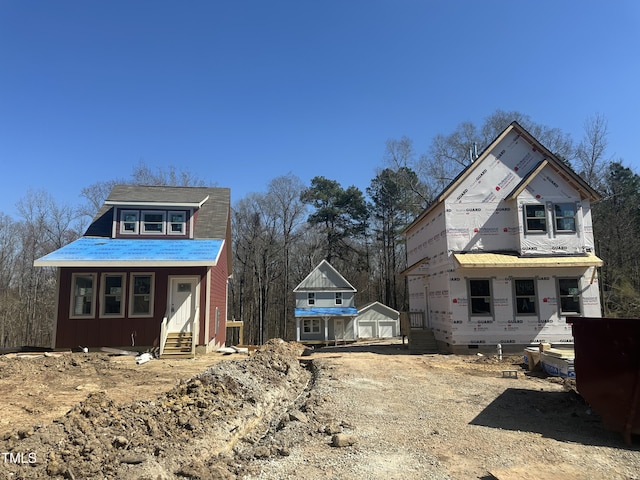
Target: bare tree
{"points": [[284, 196], [590, 154]]}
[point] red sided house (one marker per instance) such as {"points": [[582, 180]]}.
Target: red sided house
{"points": [[151, 271]]}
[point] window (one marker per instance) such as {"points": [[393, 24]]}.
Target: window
{"points": [[141, 297], [569, 294], [311, 325], [153, 222], [338, 298], [311, 298], [83, 295], [177, 223], [535, 218], [112, 290], [565, 217], [129, 222], [525, 294], [480, 296]]}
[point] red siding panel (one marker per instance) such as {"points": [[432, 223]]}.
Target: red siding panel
{"points": [[117, 332]]}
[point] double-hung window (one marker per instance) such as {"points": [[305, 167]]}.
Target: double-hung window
{"points": [[569, 296], [338, 298], [535, 218], [525, 295], [129, 220], [112, 295], [153, 222], [177, 223], [141, 295], [565, 217], [480, 297], [83, 297], [311, 298]]}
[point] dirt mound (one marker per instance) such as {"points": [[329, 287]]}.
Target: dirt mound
{"points": [[187, 432]]}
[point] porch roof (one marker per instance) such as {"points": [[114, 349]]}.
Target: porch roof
{"points": [[498, 260], [327, 312], [108, 252]]}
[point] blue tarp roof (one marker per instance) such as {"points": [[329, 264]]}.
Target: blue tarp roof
{"points": [[326, 312], [109, 252]]}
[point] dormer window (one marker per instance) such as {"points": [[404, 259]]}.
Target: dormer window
{"points": [[129, 222], [153, 222], [177, 223]]}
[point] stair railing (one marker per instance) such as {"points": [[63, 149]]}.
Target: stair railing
{"points": [[195, 330], [163, 331]]}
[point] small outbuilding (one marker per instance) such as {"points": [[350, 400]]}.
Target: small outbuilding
{"points": [[376, 320]]}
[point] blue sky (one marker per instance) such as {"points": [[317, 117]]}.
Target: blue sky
{"points": [[240, 91]]}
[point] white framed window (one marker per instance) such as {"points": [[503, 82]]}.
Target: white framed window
{"points": [[311, 325], [129, 221], [141, 295], [83, 295], [525, 296], [564, 217], [480, 299], [338, 298], [311, 298], [112, 294], [535, 218], [569, 296], [177, 223], [153, 222]]}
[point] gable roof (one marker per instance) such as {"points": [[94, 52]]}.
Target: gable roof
{"points": [[378, 307], [212, 204], [550, 160], [324, 278]]}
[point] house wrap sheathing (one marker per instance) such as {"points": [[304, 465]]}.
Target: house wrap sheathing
{"points": [[506, 252]]}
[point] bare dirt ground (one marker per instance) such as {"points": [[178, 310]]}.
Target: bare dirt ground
{"points": [[364, 411]]}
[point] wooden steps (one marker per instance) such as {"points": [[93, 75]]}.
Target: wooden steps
{"points": [[178, 345], [422, 341]]}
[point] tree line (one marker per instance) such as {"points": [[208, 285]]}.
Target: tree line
{"points": [[281, 234]]}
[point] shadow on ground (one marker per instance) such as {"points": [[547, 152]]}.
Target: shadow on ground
{"points": [[562, 416], [391, 347]]}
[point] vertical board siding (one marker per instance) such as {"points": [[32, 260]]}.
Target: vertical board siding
{"points": [[117, 332]]}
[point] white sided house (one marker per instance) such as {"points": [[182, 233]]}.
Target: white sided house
{"points": [[506, 252], [325, 311]]}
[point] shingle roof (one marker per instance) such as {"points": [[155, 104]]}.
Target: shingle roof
{"points": [[212, 217]]}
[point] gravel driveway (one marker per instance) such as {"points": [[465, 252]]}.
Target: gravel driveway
{"points": [[443, 417]]}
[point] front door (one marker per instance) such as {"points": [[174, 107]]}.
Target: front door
{"points": [[338, 325], [182, 303]]}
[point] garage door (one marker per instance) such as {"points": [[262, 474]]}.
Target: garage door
{"points": [[386, 330], [365, 330]]}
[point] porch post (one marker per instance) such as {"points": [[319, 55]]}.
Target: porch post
{"points": [[297, 329], [326, 329], [355, 328]]}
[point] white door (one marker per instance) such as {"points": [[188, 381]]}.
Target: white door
{"points": [[182, 303], [338, 325]]}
